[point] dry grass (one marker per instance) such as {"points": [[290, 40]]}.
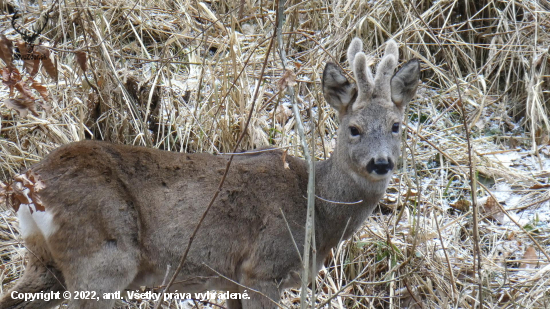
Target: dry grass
{"points": [[180, 75]]}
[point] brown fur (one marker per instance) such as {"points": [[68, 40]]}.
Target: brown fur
{"points": [[124, 214]]}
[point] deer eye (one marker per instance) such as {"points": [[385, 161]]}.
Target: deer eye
{"points": [[353, 131], [395, 127]]}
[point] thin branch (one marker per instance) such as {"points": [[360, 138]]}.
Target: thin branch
{"points": [[311, 164]]}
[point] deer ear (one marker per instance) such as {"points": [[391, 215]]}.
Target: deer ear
{"points": [[405, 82], [338, 91]]}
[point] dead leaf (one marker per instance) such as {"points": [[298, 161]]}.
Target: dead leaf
{"points": [[22, 106], [24, 90], [10, 77], [541, 137], [26, 101], [18, 196], [81, 60], [42, 90], [411, 193], [32, 181], [491, 208], [39, 185], [529, 259], [22, 178], [6, 50], [285, 164], [100, 81], [461, 205], [539, 186], [31, 63], [287, 80], [281, 114], [44, 54], [513, 142]]}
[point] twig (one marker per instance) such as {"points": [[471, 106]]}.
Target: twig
{"points": [[449, 266], [416, 300], [311, 164], [166, 274], [291, 236], [339, 203]]}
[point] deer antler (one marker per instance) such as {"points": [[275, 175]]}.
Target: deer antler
{"points": [[366, 84], [355, 47], [363, 76], [385, 69]]}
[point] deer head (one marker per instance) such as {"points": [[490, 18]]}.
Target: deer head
{"points": [[370, 110]]}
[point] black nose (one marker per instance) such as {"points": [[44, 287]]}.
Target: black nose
{"points": [[380, 166]]}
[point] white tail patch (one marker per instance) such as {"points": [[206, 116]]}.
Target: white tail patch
{"points": [[32, 222]]}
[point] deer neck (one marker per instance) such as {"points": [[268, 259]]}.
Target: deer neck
{"points": [[352, 197]]}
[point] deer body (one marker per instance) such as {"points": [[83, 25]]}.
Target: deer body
{"points": [[103, 217]]}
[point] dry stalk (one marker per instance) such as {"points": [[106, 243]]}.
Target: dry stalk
{"points": [[309, 237]]}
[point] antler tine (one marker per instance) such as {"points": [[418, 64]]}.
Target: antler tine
{"points": [[385, 69], [355, 46], [392, 49], [363, 77]]}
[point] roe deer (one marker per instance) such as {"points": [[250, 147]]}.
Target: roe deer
{"points": [[102, 217]]}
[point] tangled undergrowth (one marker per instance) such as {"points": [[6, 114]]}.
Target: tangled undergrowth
{"points": [[180, 75]]}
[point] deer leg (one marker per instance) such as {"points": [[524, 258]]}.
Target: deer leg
{"points": [[37, 278], [233, 304], [267, 298], [107, 271]]}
